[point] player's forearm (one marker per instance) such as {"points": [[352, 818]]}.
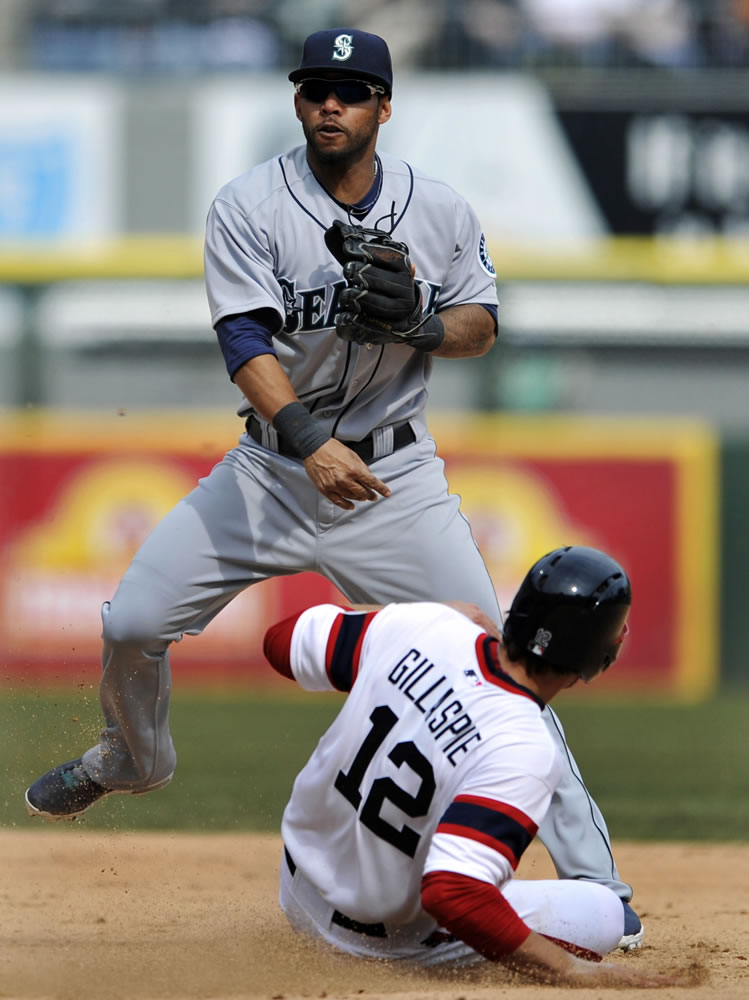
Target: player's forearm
{"points": [[477, 913], [474, 911], [469, 332], [480, 915], [265, 385], [541, 960]]}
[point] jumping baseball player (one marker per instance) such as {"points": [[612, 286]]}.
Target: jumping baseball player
{"points": [[405, 827], [334, 274]]}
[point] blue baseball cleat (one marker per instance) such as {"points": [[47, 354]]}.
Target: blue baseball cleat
{"points": [[65, 792], [634, 932]]}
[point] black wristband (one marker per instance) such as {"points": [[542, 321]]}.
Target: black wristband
{"points": [[299, 430], [429, 336]]}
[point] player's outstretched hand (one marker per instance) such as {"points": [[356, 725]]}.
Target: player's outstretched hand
{"points": [[341, 476], [618, 975], [542, 960]]}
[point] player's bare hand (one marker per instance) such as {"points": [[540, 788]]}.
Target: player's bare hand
{"points": [[476, 615], [618, 974], [342, 477]]}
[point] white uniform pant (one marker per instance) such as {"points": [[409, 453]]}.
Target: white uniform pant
{"points": [[586, 914]]}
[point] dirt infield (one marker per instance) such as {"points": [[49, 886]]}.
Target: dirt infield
{"points": [[89, 915]]}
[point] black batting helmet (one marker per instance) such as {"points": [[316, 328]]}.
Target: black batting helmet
{"points": [[571, 611]]}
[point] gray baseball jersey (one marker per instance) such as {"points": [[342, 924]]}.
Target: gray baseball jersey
{"points": [[265, 249]]}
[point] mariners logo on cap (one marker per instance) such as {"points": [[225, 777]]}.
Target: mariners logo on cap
{"points": [[344, 47], [484, 258]]}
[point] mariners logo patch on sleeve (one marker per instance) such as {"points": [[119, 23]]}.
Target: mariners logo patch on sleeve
{"points": [[484, 258]]}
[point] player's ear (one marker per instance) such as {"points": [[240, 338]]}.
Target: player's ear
{"points": [[297, 112], [384, 111]]}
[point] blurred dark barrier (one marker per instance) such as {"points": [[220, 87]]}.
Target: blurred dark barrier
{"points": [[733, 618], [662, 155]]}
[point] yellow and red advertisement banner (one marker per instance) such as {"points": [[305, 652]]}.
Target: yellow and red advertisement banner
{"points": [[79, 492]]}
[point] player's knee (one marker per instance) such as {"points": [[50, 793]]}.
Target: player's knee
{"points": [[607, 915], [132, 622]]}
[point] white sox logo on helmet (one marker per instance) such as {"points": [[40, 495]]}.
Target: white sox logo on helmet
{"points": [[541, 642], [343, 47]]}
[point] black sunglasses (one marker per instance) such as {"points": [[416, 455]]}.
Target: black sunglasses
{"points": [[347, 91]]}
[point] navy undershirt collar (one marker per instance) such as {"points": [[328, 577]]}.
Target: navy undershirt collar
{"points": [[365, 205]]}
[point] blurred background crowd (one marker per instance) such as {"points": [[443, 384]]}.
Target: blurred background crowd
{"points": [[187, 36]]}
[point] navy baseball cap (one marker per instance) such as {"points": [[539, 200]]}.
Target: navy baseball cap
{"points": [[358, 54]]}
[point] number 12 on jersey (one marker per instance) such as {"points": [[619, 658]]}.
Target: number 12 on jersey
{"points": [[405, 839]]}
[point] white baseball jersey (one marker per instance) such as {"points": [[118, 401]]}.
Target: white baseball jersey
{"points": [[438, 761], [265, 249]]}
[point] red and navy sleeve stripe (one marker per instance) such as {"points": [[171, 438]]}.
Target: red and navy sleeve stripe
{"points": [[344, 648], [496, 824]]}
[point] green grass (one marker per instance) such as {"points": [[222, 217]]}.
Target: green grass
{"points": [[662, 772], [665, 772]]}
